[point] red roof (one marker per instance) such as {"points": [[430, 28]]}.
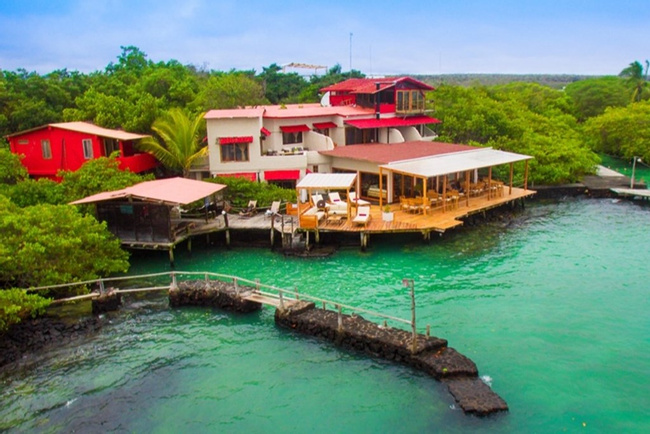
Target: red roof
{"points": [[172, 191], [392, 122], [383, 153], [369, 85]]}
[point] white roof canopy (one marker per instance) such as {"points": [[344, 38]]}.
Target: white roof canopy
{"points": [[445, 164], [332, 181]]}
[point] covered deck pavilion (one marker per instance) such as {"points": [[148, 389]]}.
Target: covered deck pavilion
{"points": [[147, 215], [439, 208]]}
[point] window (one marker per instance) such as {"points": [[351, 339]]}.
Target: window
{"points": [[291, 138], [410, 101], [46, 149], [110, 146], [88, 148], [234, 152]]}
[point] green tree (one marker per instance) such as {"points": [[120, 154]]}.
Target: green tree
{"points": [[52, 244], [241, 190], [11, 169], [228, 90], [96, 176], [17, 305], [178, 143], [622, 131], [280, 87], [636, 78], [592, 96]]}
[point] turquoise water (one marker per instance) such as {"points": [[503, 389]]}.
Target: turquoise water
{"points": [[641, 170], [552, 306]]}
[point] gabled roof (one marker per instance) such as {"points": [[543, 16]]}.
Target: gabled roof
{"points": [[88, 128], [382, 153], [170, 191], [369, 85]]}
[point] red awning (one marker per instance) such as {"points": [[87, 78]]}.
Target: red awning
{"points": [[265, 131], [251, 176], [392, 122], [281, 175], [228, 140], [324, 125], [295, 128]]}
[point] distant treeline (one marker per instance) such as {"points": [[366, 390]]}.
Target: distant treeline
{"points": [[556, 81], [561, 120]]}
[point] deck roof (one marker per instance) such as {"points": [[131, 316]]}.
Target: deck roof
{"points": [[457, 162], [170, 191], [332, 181], [383, 153]]}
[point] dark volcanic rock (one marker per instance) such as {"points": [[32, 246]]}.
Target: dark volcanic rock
{"points": [[475, 397]]}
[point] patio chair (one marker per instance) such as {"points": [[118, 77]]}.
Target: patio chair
{"points": [[275, 209], [335, 198], [356, 201], [250, 209], [363, 216]]}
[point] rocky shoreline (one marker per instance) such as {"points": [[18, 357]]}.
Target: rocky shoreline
{"points": [[34, 335]]}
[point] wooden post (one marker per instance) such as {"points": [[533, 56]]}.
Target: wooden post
{"points": [[174, 284], [281, 301], [295, 289], [189, 245], [207, 278], [380, 189], [444, 193], [171, 256], [339, 318], [102, 290], [428, 330], [324, 305], [234, 281], [512, 169], [257, 285], [489, 186], [467, 187], [225, 220]]}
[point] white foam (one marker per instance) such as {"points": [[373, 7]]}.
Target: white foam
{"points": [[70, 402], [487, 380]]}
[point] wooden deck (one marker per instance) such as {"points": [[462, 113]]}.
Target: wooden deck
{"points": [[436, 220]]}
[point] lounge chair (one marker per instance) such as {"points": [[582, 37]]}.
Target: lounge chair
{"points": [[250, 209], [337, 206], [275, 209], [354, 200], [363, 216]]}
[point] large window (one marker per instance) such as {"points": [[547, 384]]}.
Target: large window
{"points": [[291, 138], [88, 148], [234, 152], [46, 150], [410, 101]]}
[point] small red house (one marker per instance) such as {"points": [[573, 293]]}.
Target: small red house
{"points": [[67, 146]]}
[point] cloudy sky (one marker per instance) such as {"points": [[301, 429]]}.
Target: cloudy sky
{"points": [[419, 37]]}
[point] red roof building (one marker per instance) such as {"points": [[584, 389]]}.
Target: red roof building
{"points": [[67, 146]]}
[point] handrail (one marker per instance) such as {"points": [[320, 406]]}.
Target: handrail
{"points": [[205, 274]]}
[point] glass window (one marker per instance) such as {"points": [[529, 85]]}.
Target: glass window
{"points": [[234, 152], [88, 148], [110, 146], [291, 138], [46, 149]]}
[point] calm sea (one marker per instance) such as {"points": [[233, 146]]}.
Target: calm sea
{"points": [[552, 305]]}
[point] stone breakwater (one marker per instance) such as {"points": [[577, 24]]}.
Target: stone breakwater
{"points": [[431, 355]]}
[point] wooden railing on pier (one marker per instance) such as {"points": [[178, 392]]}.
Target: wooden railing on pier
{"points": [[257, 291]]}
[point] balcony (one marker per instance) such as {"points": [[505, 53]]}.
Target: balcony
{"points": [[137, 163]]}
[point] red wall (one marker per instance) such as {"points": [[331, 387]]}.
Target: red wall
{"points": [[67, 152]]}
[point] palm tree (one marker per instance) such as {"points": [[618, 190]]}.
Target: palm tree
{"points": [[181, 145], [636, 77]]}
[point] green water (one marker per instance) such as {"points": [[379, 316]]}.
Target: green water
{"points": [[552, 306], [641, 170]]}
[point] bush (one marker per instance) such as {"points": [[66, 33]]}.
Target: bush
{"points": [[16, 305], [241, 190]]}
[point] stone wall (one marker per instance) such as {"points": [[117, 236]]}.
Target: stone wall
{"points": [[212, 293]]}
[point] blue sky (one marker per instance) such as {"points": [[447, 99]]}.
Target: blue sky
{"points": [[419, 37]]}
